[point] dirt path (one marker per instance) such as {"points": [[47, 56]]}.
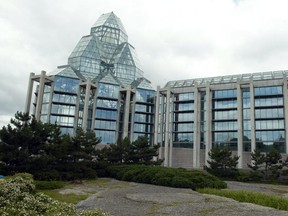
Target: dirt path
{"points": [[133, 199]]}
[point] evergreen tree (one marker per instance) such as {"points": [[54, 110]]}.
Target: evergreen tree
{"points": [[137, 152], [143, 153], [222, 163], [257, 163], [273, 164]]}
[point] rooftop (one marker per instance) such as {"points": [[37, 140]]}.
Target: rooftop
{"points": [[228, 79]]}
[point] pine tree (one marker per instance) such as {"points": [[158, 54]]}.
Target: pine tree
{"points": [[222, 163]]}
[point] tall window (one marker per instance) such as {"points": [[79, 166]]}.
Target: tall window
{"points": [[246, 109], [183, 118], [224, 118], [269, 118]]}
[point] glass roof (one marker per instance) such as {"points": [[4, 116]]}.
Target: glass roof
{"points": [[228, 79], [109, 28], [142, 83], [105, 50]]}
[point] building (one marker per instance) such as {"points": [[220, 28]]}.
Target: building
{"points": [[242, 112], [101, 88]]}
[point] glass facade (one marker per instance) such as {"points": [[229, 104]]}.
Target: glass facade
{"points": [[269, 118], [91, 90], [246, 113], [242, 112], [102, 88], [183, 118], [224, 118], [144, 114]]}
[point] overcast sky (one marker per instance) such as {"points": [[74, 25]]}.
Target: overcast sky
{"points": [[174, 39]]}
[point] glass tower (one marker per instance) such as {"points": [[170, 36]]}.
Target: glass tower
{"points": [[101, 88]]}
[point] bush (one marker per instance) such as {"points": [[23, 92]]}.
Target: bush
{"points": [[25, 176], [51, 175], [48, 185], [18, 197], [165, 176]]}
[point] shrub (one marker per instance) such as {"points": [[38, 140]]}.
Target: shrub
{"points": [[48, 185], [26, 176], [18, 197], [51, 175], [222, 163], [165, 176]]}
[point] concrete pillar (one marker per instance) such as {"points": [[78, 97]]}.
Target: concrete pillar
{"points": [[285, 93], [196, 141], [29, 93], [166, 139], [132, 116], [156, 121], [94, 108], [208, 123], [171, 132], [50, 100], [126, 112], [40, 96], [86, 105], [161, 126], [252, 104], [240, 125], [77, 109]]}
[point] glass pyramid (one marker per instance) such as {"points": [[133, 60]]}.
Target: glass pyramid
{"points": [[106, 49]]}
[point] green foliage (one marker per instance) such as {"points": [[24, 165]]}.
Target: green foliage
{"points": [[266, 166], [257, 162], [125, 152], [165, 176], [18, 197], [49, 185], [250, 197], [67, 198], [39, 148], [222, 163]]}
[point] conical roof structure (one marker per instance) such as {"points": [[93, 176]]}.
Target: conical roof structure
{"points": [[106, 48]]}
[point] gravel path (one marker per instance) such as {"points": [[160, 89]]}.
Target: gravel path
{"points": [[132, 199]]}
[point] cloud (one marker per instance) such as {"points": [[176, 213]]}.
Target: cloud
{"points": [[174, 40]]}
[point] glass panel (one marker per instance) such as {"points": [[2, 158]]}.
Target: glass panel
{"points": [[65, 84], [108, 91]]}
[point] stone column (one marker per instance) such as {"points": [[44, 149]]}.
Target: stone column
{"points": [[94, 107], [77, 108], [240, 126], [171, 132], [208, 123], [161, 127], [166, 139], [29, 93], [86, 105], [196, 141], [40, 96], [119, 102], [126, 112], [252, 102], [156, 122], [50, 100], [285, 93], [132, 116]]}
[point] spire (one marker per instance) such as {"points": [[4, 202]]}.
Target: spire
{"points": [[110, 23]]}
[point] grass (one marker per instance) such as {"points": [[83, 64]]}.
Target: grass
{"points": [[101, 181], [68, 198], [272, 201]]}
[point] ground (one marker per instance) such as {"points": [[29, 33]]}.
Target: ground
{"points": [[133, 199]]}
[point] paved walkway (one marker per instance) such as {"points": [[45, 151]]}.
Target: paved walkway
{"points": [[133, 199]]}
